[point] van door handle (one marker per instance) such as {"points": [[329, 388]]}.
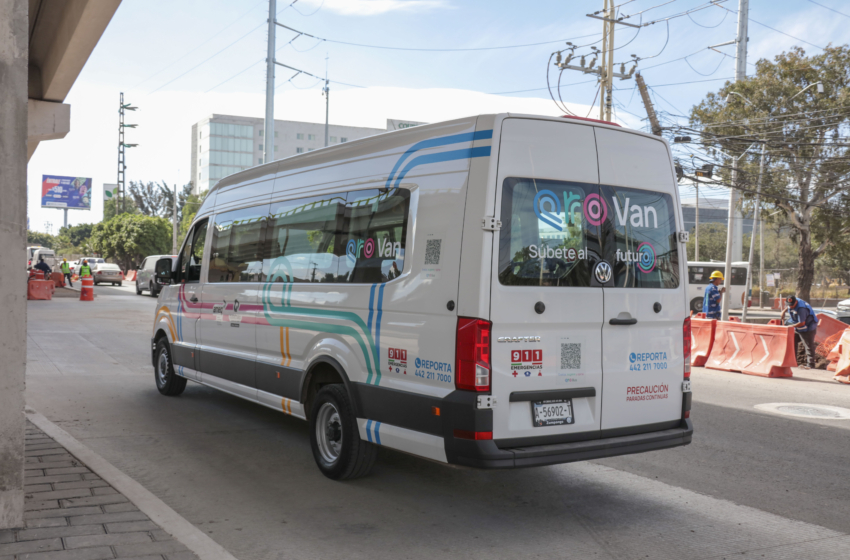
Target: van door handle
{"points": [[194, 299], [616, 321]]}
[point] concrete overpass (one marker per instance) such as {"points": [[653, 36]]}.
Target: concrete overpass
{"points": [[44, 45]]}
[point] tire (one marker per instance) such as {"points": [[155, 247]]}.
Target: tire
{"points": [[337, 448], [120, 284], [167, 382], [696, 305], [151, 290], [138, 289]]}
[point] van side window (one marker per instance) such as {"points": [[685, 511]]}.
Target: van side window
{"points": [[639, 237], [303, 240], [235, 255], [192, 256], [375, 235]]}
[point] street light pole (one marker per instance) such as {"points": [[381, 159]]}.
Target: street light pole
{"points": [[756, 214], [268, 132]]}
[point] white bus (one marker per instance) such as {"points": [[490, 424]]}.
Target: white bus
{"points": [[698, 273], [496, 291]]}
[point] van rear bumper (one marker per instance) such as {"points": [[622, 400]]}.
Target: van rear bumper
{"points": [[487, 455]]}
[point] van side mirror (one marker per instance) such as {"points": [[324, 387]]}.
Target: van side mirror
{"points": [[163, 269]]}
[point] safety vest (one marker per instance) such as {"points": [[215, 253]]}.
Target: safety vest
{"points": [[85, 270], [66, 268]]}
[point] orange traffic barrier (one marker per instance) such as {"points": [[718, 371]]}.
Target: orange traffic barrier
{"points": [[75, 277], [827, 326], [764, 350], [58, 279], [735, 319], [87, 289], [130, 276], [40, 289], [702, 339], [774, 322], [842, 365]]}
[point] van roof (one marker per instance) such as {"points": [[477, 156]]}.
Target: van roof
{"points": [[333, 153]]}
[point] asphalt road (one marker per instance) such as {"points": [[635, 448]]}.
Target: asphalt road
{"points": [[752, 483]]}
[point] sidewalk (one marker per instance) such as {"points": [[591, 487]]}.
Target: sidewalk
{"points": [[73, 514]]}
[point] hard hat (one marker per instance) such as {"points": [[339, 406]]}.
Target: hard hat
{"points": [[716, 274]]}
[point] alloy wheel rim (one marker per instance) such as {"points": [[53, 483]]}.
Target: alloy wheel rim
{"points": [[162, 368], [329, 433]]}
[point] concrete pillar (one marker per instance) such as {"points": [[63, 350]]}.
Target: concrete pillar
{"points": [[14, 35]]}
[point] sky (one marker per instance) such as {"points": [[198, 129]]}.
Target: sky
{"points": [[179, 61]]}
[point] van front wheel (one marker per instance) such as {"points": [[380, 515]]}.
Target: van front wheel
{"points": [[334, 437], [696, 305], [167, 381]]}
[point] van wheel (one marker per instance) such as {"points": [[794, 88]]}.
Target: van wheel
{"points": [[138, 289], [167, 382], [152, 292], [696, 305], [334, 437]]}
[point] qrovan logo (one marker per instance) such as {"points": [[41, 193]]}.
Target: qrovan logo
{"points": [[548, 206], [358, 248]]}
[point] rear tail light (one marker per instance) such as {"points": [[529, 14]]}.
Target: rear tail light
{"points": [[686, 346], [468, 434], [472, 355]]}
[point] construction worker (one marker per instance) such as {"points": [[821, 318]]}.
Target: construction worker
{"points": [[66, 270], [713, 294], [806, 323], [85, 269], [43, 267]]}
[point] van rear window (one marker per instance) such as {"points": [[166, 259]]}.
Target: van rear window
{"points": [[544, 239]]}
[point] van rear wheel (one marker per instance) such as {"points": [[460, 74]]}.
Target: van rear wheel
{"points": [[334, 437], [696, 305]]}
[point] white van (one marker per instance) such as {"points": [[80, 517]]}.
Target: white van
{"points": [[698, 277], [496, 291]]}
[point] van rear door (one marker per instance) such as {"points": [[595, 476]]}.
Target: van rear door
{"points": [[645, 298], [547, 314]]}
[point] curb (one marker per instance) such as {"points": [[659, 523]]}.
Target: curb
{"points": [[159, 512]]}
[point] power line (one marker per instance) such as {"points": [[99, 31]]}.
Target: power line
{"points": [[771, 28], [828, 8], [385, 47]]}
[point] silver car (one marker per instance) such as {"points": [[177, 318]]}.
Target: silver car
{"points": [[145, 277]]}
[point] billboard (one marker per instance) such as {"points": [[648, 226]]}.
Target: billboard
{"points": [[110, 191], [65, 192]]}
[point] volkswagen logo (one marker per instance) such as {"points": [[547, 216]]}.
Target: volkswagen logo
{"points": [[603, 272]]}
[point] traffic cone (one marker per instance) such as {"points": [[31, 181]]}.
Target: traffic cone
{"points": [[87, 289]]}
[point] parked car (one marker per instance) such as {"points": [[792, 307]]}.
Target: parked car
{"points": [[107, 272], [842, 313], [145, 277], [844, 306]]}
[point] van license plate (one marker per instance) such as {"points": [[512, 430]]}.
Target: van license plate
{"points": [[552, 413]]}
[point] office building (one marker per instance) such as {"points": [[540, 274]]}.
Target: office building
{"points": [[225, 144]]}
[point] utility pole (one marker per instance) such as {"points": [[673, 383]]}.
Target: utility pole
{"points": [[740, 74], [647, 103], [174, 222], [761, 260], [268, 128], [122, 167], [605, 70], [327, 93], [749, 287], [696, 226]]}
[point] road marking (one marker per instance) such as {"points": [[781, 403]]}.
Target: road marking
{"points": [[172, 522]]}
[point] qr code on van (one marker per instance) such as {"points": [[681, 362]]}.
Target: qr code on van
{"points": [[432, 251], [570, 355]]}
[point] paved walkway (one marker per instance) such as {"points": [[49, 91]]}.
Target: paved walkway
{"points": [[73, 514]]}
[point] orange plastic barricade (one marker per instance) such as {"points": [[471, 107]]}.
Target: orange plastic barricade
{"points": [[764, 350], [827, 326], [87, 289], [58, 279], [842, 366], [130, 276], [75, 277], [40, 289], [702, 339], [735, 319], [774, 322]]}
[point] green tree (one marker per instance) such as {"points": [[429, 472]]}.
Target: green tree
{"points": [[807, 163], [42, 239], [712, 242], [112, 207], [129, 238], [192, 205]]}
